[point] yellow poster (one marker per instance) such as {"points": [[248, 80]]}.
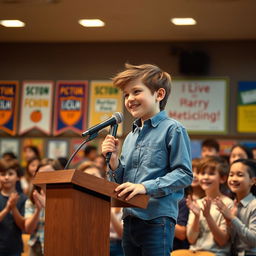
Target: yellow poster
{"points": [[105, 100]]}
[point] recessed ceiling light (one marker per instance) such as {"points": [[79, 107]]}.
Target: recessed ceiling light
{"points": [[183, 21], [91, 23], [12, 23]]}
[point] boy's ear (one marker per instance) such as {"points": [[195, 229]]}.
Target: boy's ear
{"points": [[160, 94]]}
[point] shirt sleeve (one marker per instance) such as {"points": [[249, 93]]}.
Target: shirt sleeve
{"points": [[29, 208], [180, 174], [246, 234], [117, 174]]}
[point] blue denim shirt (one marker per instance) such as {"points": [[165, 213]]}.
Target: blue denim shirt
{"points": [[157, 156]]}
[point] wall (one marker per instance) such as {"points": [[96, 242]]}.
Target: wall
{"points": [[68, 61]]}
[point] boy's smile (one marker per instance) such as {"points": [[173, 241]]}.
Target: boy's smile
{"points": [[140, 101]]}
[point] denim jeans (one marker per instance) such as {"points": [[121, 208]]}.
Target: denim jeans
{"points": [[148, 237], [116, 248]]}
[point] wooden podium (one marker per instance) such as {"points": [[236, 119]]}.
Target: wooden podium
{"points": [[77, 217]]}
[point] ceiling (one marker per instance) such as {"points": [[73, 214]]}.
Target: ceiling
{"points": [[133, 20]]}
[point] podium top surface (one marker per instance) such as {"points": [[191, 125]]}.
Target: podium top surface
{"points": [[90, 182]]}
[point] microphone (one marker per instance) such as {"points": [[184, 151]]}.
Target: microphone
{"points": [[115, 119], [113, 132]]}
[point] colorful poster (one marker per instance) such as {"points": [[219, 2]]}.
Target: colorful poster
{"points": [[105, 100], [9, 145], [225, 146], [36, 106], [246, 109], [38, 142], [57, 148], [71, 106], [8, 106], [199, 104]]}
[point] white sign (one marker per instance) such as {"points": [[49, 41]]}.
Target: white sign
{"points": [[36, 106], [200, 105]]}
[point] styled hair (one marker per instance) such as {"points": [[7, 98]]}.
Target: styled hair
{"points": [[251, 169], [247, 150], [150, 75], [10, 165], [211, 143], [214, 163]]}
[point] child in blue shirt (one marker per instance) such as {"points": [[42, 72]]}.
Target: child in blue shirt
{"points": [[11, 210], [155, 160]]}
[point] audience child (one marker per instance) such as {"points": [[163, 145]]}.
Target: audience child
{"points": [[207, 229], [210, 147], [31, 152], [242, 217], [240, 152], [35, 219], [180, 236], [194, 192], [11, 210], [155, 160], [26, 181]]}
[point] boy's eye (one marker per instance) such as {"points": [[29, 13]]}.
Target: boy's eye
{"points": [[126, 96], [137, 91]]}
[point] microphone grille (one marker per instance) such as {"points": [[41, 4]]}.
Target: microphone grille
{"points": [[119, 117]]}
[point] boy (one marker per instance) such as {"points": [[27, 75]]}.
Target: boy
{"points": [[11, 210], [155, 160], [210, 147]]}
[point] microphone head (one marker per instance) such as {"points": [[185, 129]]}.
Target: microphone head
{"points": [[119, 117]]}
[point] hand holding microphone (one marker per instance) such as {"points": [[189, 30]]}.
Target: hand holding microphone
{"points": [[110, 149]]}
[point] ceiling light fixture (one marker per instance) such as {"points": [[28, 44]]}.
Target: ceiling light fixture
{"points": [[91, 23], [12, 23], [183, 21]]}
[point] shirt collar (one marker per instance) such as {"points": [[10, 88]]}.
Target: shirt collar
{"points": [[246, 200], [153, 121]]}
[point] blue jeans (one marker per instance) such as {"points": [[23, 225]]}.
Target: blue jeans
{"points": [[148, 237], [116, 248]]}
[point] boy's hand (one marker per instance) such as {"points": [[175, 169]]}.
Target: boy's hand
{"points": [[111, 144], [131, 188], [193, 205]]}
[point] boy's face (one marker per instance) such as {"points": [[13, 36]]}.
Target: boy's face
{"points": [[210, 180], [140, 101], [8, 179], [209, 151]]}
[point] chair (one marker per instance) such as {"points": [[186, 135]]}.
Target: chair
{"points": [[25, 238], [191, 253]]}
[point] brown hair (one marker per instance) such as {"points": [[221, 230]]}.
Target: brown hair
{"points": [[152, 76], [214, 163], [10, 165]]}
